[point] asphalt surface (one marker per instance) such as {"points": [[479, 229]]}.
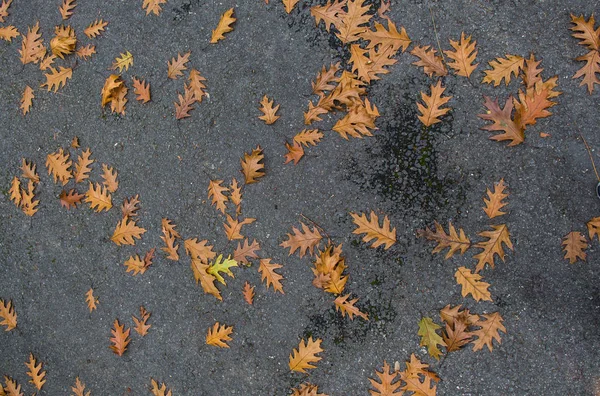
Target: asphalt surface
{"points": [[416, 175]]}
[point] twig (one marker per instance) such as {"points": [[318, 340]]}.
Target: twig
{"points": [[591, 157]]}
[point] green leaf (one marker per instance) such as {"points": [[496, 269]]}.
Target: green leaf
{"points": [[430, 338], [220, 265]]}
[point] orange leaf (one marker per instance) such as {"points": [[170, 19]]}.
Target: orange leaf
{"points": [[120, 338], [574, 245], [471, 284], [251, 166], [219, 335], [432, 110], [301, 358], [267, 271], [494, 203], [383, 235], [224, 26]]}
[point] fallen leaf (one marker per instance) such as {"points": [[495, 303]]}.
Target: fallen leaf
{"points": [[126, 232], [123, 62], [251, 166], [120, 338], [494, 203], [95, 28], [66, 9], [383, 235], [303, 241], [268, 274], [71, 199], [492, 246], [490, 330], [302, 358], [431, 111], [141, 325], [218, 335], [429, 337], [98, 198], [175, 67], [269, 116], [429, 60], [347, 307], [55, 78], [224, 26], [248, 293], [27, 99], [142, 90], [453, 241], [91, 300], [245, 251], [502, 68], [574, 245], [463, 56], [8, 315], [471, 284]]}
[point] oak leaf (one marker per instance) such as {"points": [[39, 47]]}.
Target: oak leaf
{"points": [[502, 122], [269, 116], [389, 383], [431, 111], [8, 33], [502, 68], [142, 90], [8, 315], [347, 307], [221, 265], [307, 389], [126, 232], [71, 199], [199, 250], [175, 67], [32, 48], [248, 293], [383, 235], [98, 198], [224, 26], [472, 284], [303, 241], [123, 62], [58, 165], [585, 31], [454, 241], [217, 192], [86, 52], [268, 274], [66, 8], [325, 78], [245, 251], [295, 152], [184, 106], [589, 70], [389, 37], [494, 203], [490, 330], [429, 337], [218, 335], [457, 336], [463, 56], [236, 196], [207, 281], [352, 22], [27, 99], [153, 6], [82, 167], [306, 354], [4, 11], [197, 85], [159, 390], [593, 227], [95, 28], [429, 60], [11, 387], [35, 372], [120, 338], [141, 325], [233, 228], [109, 176], [252, 168], [91, 300], [574, 245], [492, 246], [330, 13], [79, 388]]}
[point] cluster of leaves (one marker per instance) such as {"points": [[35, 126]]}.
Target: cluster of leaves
{"points": [[416, 378], [460, 330], [575, 243], [589, 37], [471, 282]]}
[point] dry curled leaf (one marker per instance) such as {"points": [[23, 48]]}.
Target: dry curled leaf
{"points": [[224, 26], [8, 315], [120, 338], [383, 235], [432, 110], [252, 168], [126, 232], [268, 274], [472, 284], [91, 300], [303, 241], [302, 358], [269, 112], [218, 335], [454, 241], [574, 245]]}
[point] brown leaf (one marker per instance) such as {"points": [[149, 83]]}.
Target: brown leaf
{"points": [[177, 66], [245, 251], [492, 246], [303, 241], [453, 241], [141, 325], [32, 48], [429, 60], [490, 330], [432, 110], [267, 271], [8, 315], [383, 235], [27, 99], [248, 293], [98, 198], [574, 245], [347, 307], [233, 228], [471, 284], [82, 167], [35, 372], [463, 56], [218, 335], [91, 300], [120, 338], [95, 28], [224, 26], [502, 68], [142, 90], [251, 166], [126, 232], [306, 354], [502, 122], [66, 9], [269, 116], [494, 203], [71, 199], [109, 176], [183, 108], [217, 192]]}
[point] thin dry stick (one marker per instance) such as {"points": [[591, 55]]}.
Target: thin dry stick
{"points": [[591, 157]]}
